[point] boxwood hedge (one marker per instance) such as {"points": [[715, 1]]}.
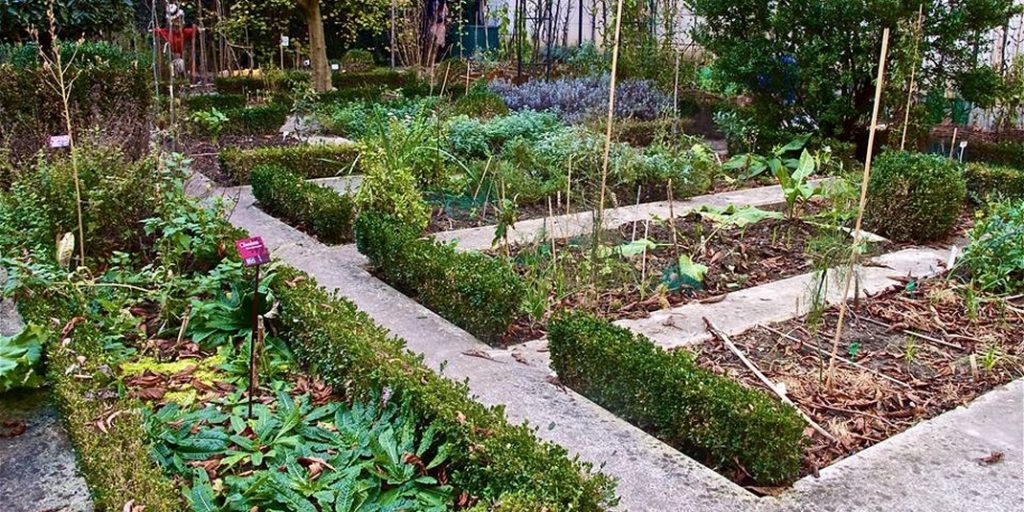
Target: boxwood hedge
{"points": [[914, 197], [491, 459], [308, 160], [474, 291], [218, 101], [985, 180], [1007, 153], [318, 210], [709, 417]]}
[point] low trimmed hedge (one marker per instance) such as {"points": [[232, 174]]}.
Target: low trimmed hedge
{"points": [[247, 84], [308, 160], [491, 459], [1007, 153], [220, 102], [380, 77], [474, 291], [116, 464], [258, 120], [984, 180], [707, 416], [321, 211], [914, 197]]}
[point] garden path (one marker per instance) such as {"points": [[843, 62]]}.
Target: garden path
{"points": [[911, 471]]}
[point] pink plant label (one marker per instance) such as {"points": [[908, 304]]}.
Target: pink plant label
{"points": [[252, 251]]}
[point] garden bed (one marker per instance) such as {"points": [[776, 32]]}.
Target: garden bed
{"points": [[205, 154], [633, 282], [965, 345]]}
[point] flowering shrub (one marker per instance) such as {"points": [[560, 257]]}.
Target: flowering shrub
{"points": [[577, 99]]}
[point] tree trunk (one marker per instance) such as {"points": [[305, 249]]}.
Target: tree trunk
{"points": [[317, 45]]}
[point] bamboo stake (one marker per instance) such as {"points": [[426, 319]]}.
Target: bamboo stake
{"points": [[857, 232], [468, 62], [910, 89], [914, 334], [568, 187], [825, 352], [607, 141], [643, 261], [551, 232], [952, 143], [675, 98], [672, 220], [632, 238], [767, 382], [445, 82]]}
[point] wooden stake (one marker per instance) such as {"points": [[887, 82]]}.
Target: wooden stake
{"points": [[568, 187], [632, 238], [599, 222], [468, 62], [551, 231], [675, 99], [857, 233], [910, 89], [445, 82], [767, 382], [952, 143], [672, 220]]}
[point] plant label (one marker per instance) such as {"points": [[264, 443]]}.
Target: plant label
{"points": [[285, 40], [60, 141], [335, 67], [253, 251]]}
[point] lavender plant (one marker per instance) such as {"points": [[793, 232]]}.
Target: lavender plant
{"points": [[575, 100]]}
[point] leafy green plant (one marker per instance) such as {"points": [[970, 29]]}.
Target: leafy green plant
{"points": [[212, 121], [19, 358], [913, 196], [995, 255], [708, 416], [985, 182], [227, 319], [795, 187], [750, 165]]}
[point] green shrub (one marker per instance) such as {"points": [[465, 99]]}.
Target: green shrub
{"points": [[310, 160], [110, 100], [273, 81], [319, 210], [474, 291], [257, 120], [220, 102], [710, 417], [391, 79], [985, 180], [354, 119], [469, 137], [913, 196], [357, 60], [999, 153], [995, 256], [480, 103], [490, 458]]}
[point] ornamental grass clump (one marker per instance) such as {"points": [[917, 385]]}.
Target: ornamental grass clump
{"points": [[707, 416], [914, 197]]}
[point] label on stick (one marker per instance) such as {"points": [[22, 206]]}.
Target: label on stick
{"points": [[60, 141], [253, 251]]}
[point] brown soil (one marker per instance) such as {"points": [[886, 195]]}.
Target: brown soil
{"points": [[974, 354], [736, 258]]}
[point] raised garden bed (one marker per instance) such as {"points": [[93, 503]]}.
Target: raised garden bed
{"points": [[963, 345]]}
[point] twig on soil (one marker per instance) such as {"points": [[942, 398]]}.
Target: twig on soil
{"points": [[847, 361], [911, 333], [771, 385]]}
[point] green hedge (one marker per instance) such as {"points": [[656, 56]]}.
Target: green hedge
{"points": [[309, 160], [321, 211], [116, 464], [247, 84], [1007, 153], [709, 417], [259, 120], [220, 102], [984, 180], [381, 77], [914, 197], [491, 459], [474, 291]]}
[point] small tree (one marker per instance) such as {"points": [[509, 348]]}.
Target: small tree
{"points": [[811, 64]]}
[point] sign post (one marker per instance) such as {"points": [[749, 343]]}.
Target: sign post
{"points": [[253, 253]]}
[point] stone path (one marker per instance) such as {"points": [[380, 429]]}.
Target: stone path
{"points": [[37, 468], [907, 472]]}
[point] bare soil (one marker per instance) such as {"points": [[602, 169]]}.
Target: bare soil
{"points": [[961, 349]]}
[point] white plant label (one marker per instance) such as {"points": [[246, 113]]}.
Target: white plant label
{"points": [[335, 67], [285, 40], [60, 141]]}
